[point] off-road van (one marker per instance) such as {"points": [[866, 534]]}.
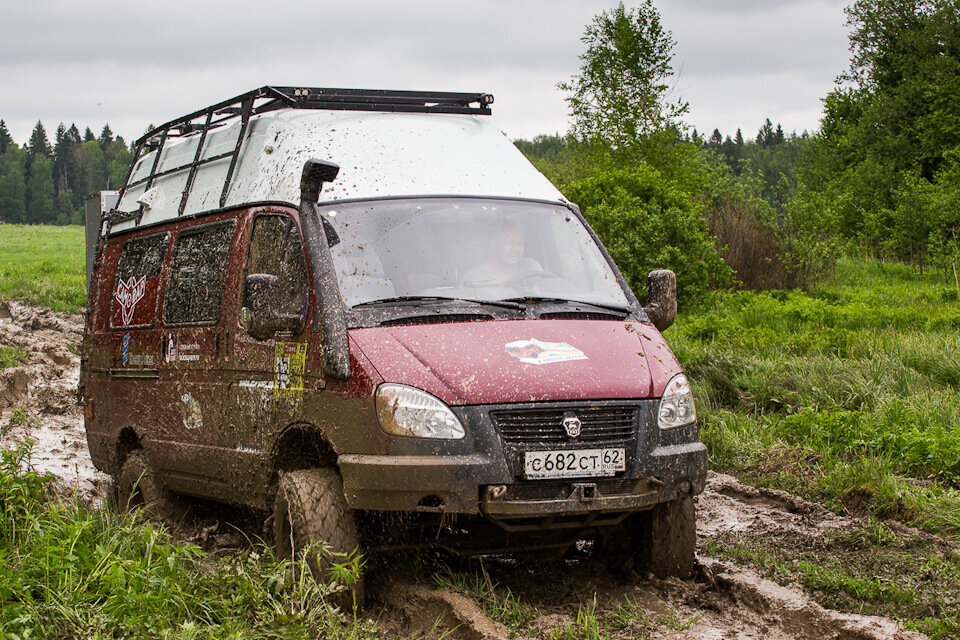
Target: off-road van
{"points": [[367, 315]]}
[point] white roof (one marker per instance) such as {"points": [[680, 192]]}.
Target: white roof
{"points": [[381, 155]]}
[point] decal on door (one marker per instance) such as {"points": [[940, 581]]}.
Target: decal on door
{"points": [[128, 294], [194, 417], [535, 351], [289, 361]]}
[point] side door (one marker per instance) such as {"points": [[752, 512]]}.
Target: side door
{"points": [[269, 372], [192, 414]]}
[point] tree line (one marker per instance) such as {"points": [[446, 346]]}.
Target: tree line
{"points": [[44, 183]]}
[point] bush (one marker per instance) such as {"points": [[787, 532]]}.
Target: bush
{"points": [[647, 223]]}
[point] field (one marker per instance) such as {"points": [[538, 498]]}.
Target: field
{"points": [[846, 397], [43, 265]]}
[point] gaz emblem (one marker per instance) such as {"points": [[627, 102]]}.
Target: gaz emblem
{"points": [[572, 426]]}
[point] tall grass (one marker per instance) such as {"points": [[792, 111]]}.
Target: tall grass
{"points": [[848, 395], [43, 265], [69, 572]]}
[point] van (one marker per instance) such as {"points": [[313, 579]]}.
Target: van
{"points": [[367, 315]]}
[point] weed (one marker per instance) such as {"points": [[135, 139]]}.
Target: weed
{"points": [[497, 602], [12, 357]]}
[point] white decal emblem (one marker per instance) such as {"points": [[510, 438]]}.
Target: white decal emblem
{"points": [[572, 426], [535, 351], [128, 294]]}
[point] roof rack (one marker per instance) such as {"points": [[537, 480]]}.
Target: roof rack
{"points": [[270, 98]]}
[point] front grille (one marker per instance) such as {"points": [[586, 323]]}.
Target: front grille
{"points": [[539, 426]]}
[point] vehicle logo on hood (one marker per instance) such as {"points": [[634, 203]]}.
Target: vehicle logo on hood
{"points": [[535, 351], [572, 426]]}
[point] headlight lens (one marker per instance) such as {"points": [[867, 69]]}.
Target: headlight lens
{"points": [[407, 411], [676, 406]]}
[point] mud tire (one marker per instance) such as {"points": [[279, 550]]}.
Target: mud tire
{"points": [[667, 542], [137, 486], [310, 507]]}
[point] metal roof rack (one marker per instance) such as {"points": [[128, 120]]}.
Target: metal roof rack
{"points": [[270, 98]]}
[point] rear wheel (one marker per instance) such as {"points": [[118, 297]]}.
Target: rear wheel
{"points": [[310, 507], [137, 486]]}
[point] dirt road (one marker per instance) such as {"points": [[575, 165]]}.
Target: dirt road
{"points": [[724, 600]]}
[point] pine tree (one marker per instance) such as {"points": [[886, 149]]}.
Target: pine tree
{"points": [[88, 135], [765, 137], [39, 143], [106, 137], [5, 138], [716, 139]]}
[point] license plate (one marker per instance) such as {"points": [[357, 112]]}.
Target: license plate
{"points": [[578, 463]]}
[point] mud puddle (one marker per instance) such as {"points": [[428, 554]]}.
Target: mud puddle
{"points": [[496, 597]]}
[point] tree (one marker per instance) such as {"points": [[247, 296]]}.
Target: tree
{"points": [[13, 188], [106, 137], [40, 195], [5, 138], [39, 143], [623, 91], [88, 135]]}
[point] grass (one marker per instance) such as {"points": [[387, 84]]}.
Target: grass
{"points": [[11, 357], [68, 572], [43, 265], [848, 396]]}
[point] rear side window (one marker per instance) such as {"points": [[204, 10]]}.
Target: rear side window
{"points": [[198, 272], [138, 272]]}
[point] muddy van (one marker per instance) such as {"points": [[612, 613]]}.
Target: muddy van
{"points": [[367, 315]]}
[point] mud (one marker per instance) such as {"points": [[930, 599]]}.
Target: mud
{"points": [[724, 600], [38, 398]]}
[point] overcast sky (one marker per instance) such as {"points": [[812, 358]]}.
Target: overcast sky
{"points": [[97, 61]]}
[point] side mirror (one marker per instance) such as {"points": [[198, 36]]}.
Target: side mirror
{"points": [[261, 315], [661, 305]]}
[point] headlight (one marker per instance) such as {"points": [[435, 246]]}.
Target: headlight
{"points": [[406, 411], [676, 406]]}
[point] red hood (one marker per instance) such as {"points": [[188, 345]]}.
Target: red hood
{"points": [[468, 363]]}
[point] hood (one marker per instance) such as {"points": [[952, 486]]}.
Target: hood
{"points": [[522, 360]]}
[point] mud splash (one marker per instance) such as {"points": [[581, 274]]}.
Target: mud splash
{"points": [[37, 399]]}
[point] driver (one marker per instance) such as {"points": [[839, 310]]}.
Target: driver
{"points": [[507, 262]]}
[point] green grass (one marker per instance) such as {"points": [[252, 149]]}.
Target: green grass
{"points": [[69, 572], [849, 396], [11, 357], [43, 265]]}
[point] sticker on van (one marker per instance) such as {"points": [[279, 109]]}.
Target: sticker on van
{"points": [[535, 351], [128, 294], [289, 361]]}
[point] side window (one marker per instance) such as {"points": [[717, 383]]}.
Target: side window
{"points": [[138, 272], [198, 272], [275, 249]]}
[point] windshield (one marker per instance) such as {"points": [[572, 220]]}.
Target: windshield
{"points": [[467, 248]]}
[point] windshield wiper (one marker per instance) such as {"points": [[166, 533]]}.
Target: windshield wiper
{"points": [[503, 304], [599, 305]]}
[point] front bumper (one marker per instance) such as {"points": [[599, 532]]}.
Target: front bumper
{"points": [[479, 475]]}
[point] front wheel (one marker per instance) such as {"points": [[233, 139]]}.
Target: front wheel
{"points": [[667, 543], [661, 541], [310, 507]]}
